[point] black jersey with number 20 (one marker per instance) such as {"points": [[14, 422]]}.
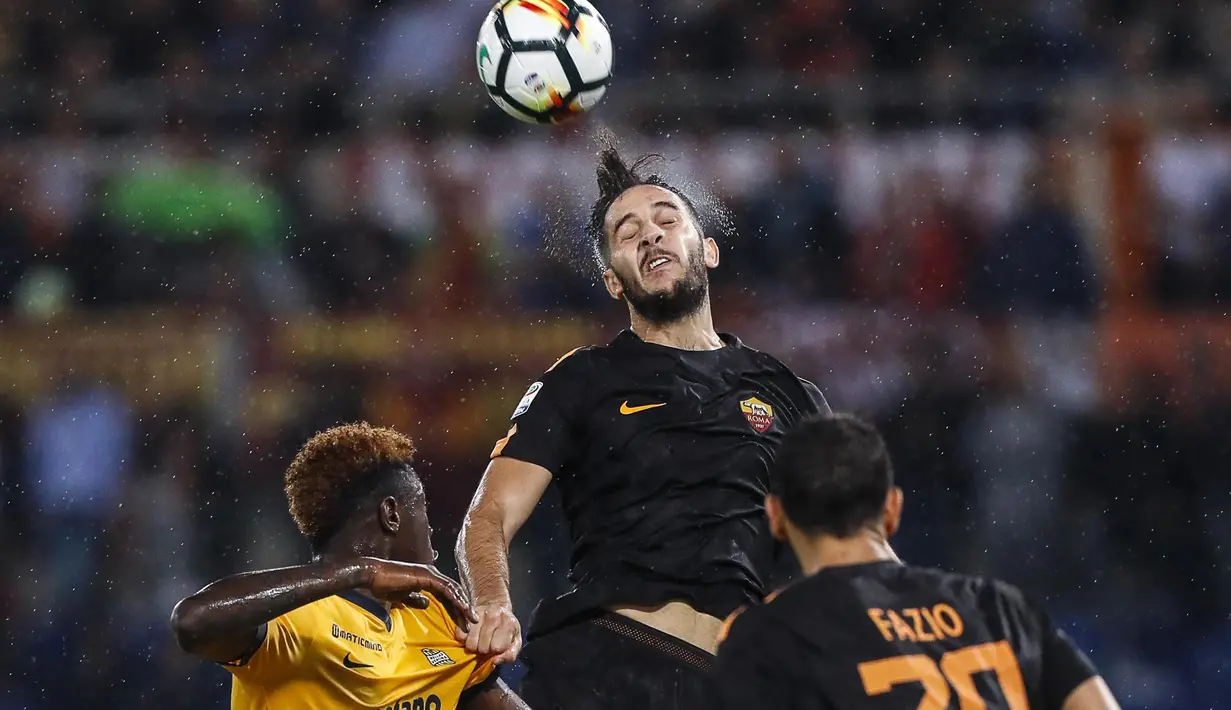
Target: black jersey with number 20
{"points": [[662, 460], [885, 636]]}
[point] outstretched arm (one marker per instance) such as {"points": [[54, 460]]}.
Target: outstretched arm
{"points": [[541, 440], [226, 620], [508, 493]]}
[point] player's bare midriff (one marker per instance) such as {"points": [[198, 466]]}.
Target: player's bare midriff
{"points": [[679, 620]]}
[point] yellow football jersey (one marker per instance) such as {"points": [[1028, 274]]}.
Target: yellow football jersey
{"points": [[348, 651]]}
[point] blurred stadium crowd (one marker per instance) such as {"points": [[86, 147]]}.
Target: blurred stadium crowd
{"points": [[224, 226], [403, 43]]}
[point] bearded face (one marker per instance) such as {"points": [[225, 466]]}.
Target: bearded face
{"points": [[659, 262]]}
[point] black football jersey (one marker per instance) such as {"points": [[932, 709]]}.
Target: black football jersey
{"points": [[886, 636], [662, 460]]}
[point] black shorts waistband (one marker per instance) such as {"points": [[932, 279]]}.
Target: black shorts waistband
{"points": [[666, 643]]}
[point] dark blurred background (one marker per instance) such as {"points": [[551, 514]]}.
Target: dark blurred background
{"points": [[1001, 229]]}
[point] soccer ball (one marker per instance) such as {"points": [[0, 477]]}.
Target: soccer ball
{"points": [[544, 61]]}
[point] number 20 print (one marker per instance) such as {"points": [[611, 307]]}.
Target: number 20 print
{"points": [[953, 675]]}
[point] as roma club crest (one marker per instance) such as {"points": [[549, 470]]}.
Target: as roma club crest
{"points": [[759, 414]]}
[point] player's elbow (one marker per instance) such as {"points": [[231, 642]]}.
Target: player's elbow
{"points": [[189, 624], [482, 523]]}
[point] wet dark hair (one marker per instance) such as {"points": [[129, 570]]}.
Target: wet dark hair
{"points": [[615, 177], [832, 474]]}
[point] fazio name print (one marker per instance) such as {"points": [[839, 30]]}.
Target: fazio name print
{"points": [[918, 625]]}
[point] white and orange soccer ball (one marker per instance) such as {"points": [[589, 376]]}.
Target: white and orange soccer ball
{"points": [[544, 61]]}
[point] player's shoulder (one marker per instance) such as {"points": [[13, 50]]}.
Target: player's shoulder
{"points": [[811, 388], [975, 587], [322, 610], [562, 378], [573, 357], [435, 619], [753, 353], [957, 584], [625, 351], [748, 621], [846, 583], [340, 614], [992, 598], [740, 628], [572, 364], [1011, 602], [432, 628]]}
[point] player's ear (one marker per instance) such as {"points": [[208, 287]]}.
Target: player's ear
{"points": [[893, 511], [614, 287], [710, 248], [388, 515], [777, 520]]}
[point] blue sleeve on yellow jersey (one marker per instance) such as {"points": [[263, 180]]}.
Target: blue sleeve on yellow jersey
{"points": [[281, 647]]}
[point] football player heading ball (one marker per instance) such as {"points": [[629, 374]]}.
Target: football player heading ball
{"points": [[660, 443]]}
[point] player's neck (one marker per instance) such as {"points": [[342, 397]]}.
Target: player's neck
{"points": [[817, 553], [693, 332], [342, 549]]}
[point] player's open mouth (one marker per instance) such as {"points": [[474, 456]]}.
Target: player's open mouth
{"points": [[656, 263]]}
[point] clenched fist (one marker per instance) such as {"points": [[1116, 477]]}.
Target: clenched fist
{"points": [[496, 632]]}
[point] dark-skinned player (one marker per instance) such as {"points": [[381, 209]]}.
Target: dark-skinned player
{"points": [[369, 622]]}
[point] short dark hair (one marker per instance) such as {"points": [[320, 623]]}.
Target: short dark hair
{"points": [[615, 177], [340, 467], [833, 474]]}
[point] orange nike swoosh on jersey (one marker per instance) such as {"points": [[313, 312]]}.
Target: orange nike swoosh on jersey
{"points": [[625, 409]]}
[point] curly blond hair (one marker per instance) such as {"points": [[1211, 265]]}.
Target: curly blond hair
{"points": [[331, 466]]}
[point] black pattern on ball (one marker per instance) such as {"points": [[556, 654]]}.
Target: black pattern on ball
{"points": [[558, 45]]}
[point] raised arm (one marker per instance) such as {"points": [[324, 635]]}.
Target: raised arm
{"points": [[226, 621], [543, 438], [508, 493]]}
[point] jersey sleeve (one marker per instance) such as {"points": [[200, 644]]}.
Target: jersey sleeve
{"points": [[543, 430], [282, 646], [1065, 667]]}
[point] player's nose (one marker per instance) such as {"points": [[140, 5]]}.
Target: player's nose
{"points": [[652, 234]]}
